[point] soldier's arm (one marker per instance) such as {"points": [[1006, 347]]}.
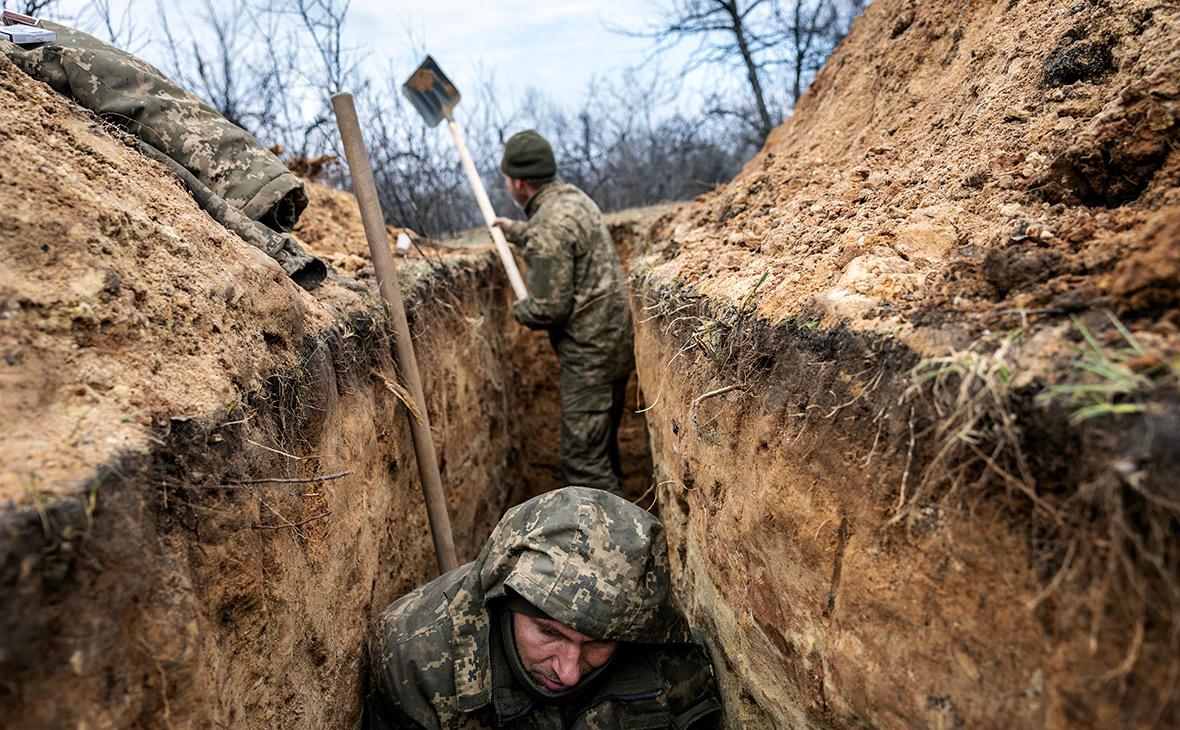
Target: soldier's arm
{"points": [[550, 278]]}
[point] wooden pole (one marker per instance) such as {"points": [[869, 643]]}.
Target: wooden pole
{"points": [[390, 286], [489, 214]]}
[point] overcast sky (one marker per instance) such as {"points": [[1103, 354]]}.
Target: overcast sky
{"points": [[557, 46]]}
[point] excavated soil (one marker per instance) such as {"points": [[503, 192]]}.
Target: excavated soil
{"points": [[940, 172], [884, 507], [208, 489], [855, 363]]}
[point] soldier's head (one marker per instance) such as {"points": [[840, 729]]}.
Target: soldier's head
{"points": [[528, 165], [572, 574]]}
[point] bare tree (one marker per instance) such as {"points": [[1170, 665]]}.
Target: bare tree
{"points": [[120, 28], [211, 64], [726, 31], [811, 29], [759, 37], [30, 7], [324, 21], [270, 66]]}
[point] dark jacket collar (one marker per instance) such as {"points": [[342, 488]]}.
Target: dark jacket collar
{"points": [[631, 675], [546, 191]]}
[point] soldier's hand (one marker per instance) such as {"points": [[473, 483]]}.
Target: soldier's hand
{"points": [[504, 224]]}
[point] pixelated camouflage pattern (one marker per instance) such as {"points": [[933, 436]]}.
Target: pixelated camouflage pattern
{"points": [[135, 95], [304, 269], [589, 442], [589, 559], [578, 292]]}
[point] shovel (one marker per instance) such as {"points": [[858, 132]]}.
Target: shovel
{"points": [[435, 97]]}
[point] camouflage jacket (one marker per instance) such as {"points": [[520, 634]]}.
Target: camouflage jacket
{"points": [[228, 171], [578, 292], [590, 560]]}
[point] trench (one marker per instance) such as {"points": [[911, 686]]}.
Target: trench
{"points": [[179, 588], [228, 575], [216, 561]]}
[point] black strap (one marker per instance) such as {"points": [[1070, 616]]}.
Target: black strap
{"points": [[696, 713]]}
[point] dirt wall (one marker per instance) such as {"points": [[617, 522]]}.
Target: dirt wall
{"points": [[827, 605], [208, 488], [903, 483], [167, 591]]}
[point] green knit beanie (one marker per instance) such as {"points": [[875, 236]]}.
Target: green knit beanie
{"points": [[528, 156]]}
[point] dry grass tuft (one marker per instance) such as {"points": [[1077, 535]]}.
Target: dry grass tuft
{"points": [[976, 435], [1109, 530]]}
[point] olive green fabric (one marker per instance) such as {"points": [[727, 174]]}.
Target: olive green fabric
{"points": [[528, 156], [304, 269], [589, 559], [578, 293], [590, 442], [227, 170]]}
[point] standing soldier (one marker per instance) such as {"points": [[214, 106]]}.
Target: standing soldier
{"points": [[578, 293]]}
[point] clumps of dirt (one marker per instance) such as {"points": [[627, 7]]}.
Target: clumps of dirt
{"points": [[332, 226], [922, 153], [994, 189], [1116, 156], [124, 305], [1148, 283], [1078, 58]]}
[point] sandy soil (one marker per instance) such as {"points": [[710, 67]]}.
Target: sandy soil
{"points": [[118, 295], [972, 188], [941, 170]]}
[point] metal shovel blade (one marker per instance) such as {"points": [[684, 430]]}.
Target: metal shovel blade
{"points": [[431, 92]]}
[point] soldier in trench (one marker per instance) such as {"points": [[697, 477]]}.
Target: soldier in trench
{"points": [[563, 621], [578, 294]]}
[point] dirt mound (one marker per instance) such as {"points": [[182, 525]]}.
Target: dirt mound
{"points": [[914, 376], [124, 304], [972, 163]]}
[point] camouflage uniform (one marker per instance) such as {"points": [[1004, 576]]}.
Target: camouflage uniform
{"points": [[579, 294], [230, 169], [588, 559]]}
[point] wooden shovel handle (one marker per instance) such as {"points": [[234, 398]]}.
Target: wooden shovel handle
{"points": [[407, 364], [489, 214]]}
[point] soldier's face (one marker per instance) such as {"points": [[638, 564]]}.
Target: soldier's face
{"points": [[519, 191], [556, 655]]}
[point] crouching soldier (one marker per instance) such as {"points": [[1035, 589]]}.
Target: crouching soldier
{"points": [[563, 621]]}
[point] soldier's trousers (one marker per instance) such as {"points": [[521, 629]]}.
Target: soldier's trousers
{"points": [[590, 442]]}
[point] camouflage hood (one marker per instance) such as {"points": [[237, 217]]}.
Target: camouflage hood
{"points": [[591, 560]]}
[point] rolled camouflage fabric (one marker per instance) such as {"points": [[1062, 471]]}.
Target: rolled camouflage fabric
{"points": [[304, 269], [138, 97]]}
